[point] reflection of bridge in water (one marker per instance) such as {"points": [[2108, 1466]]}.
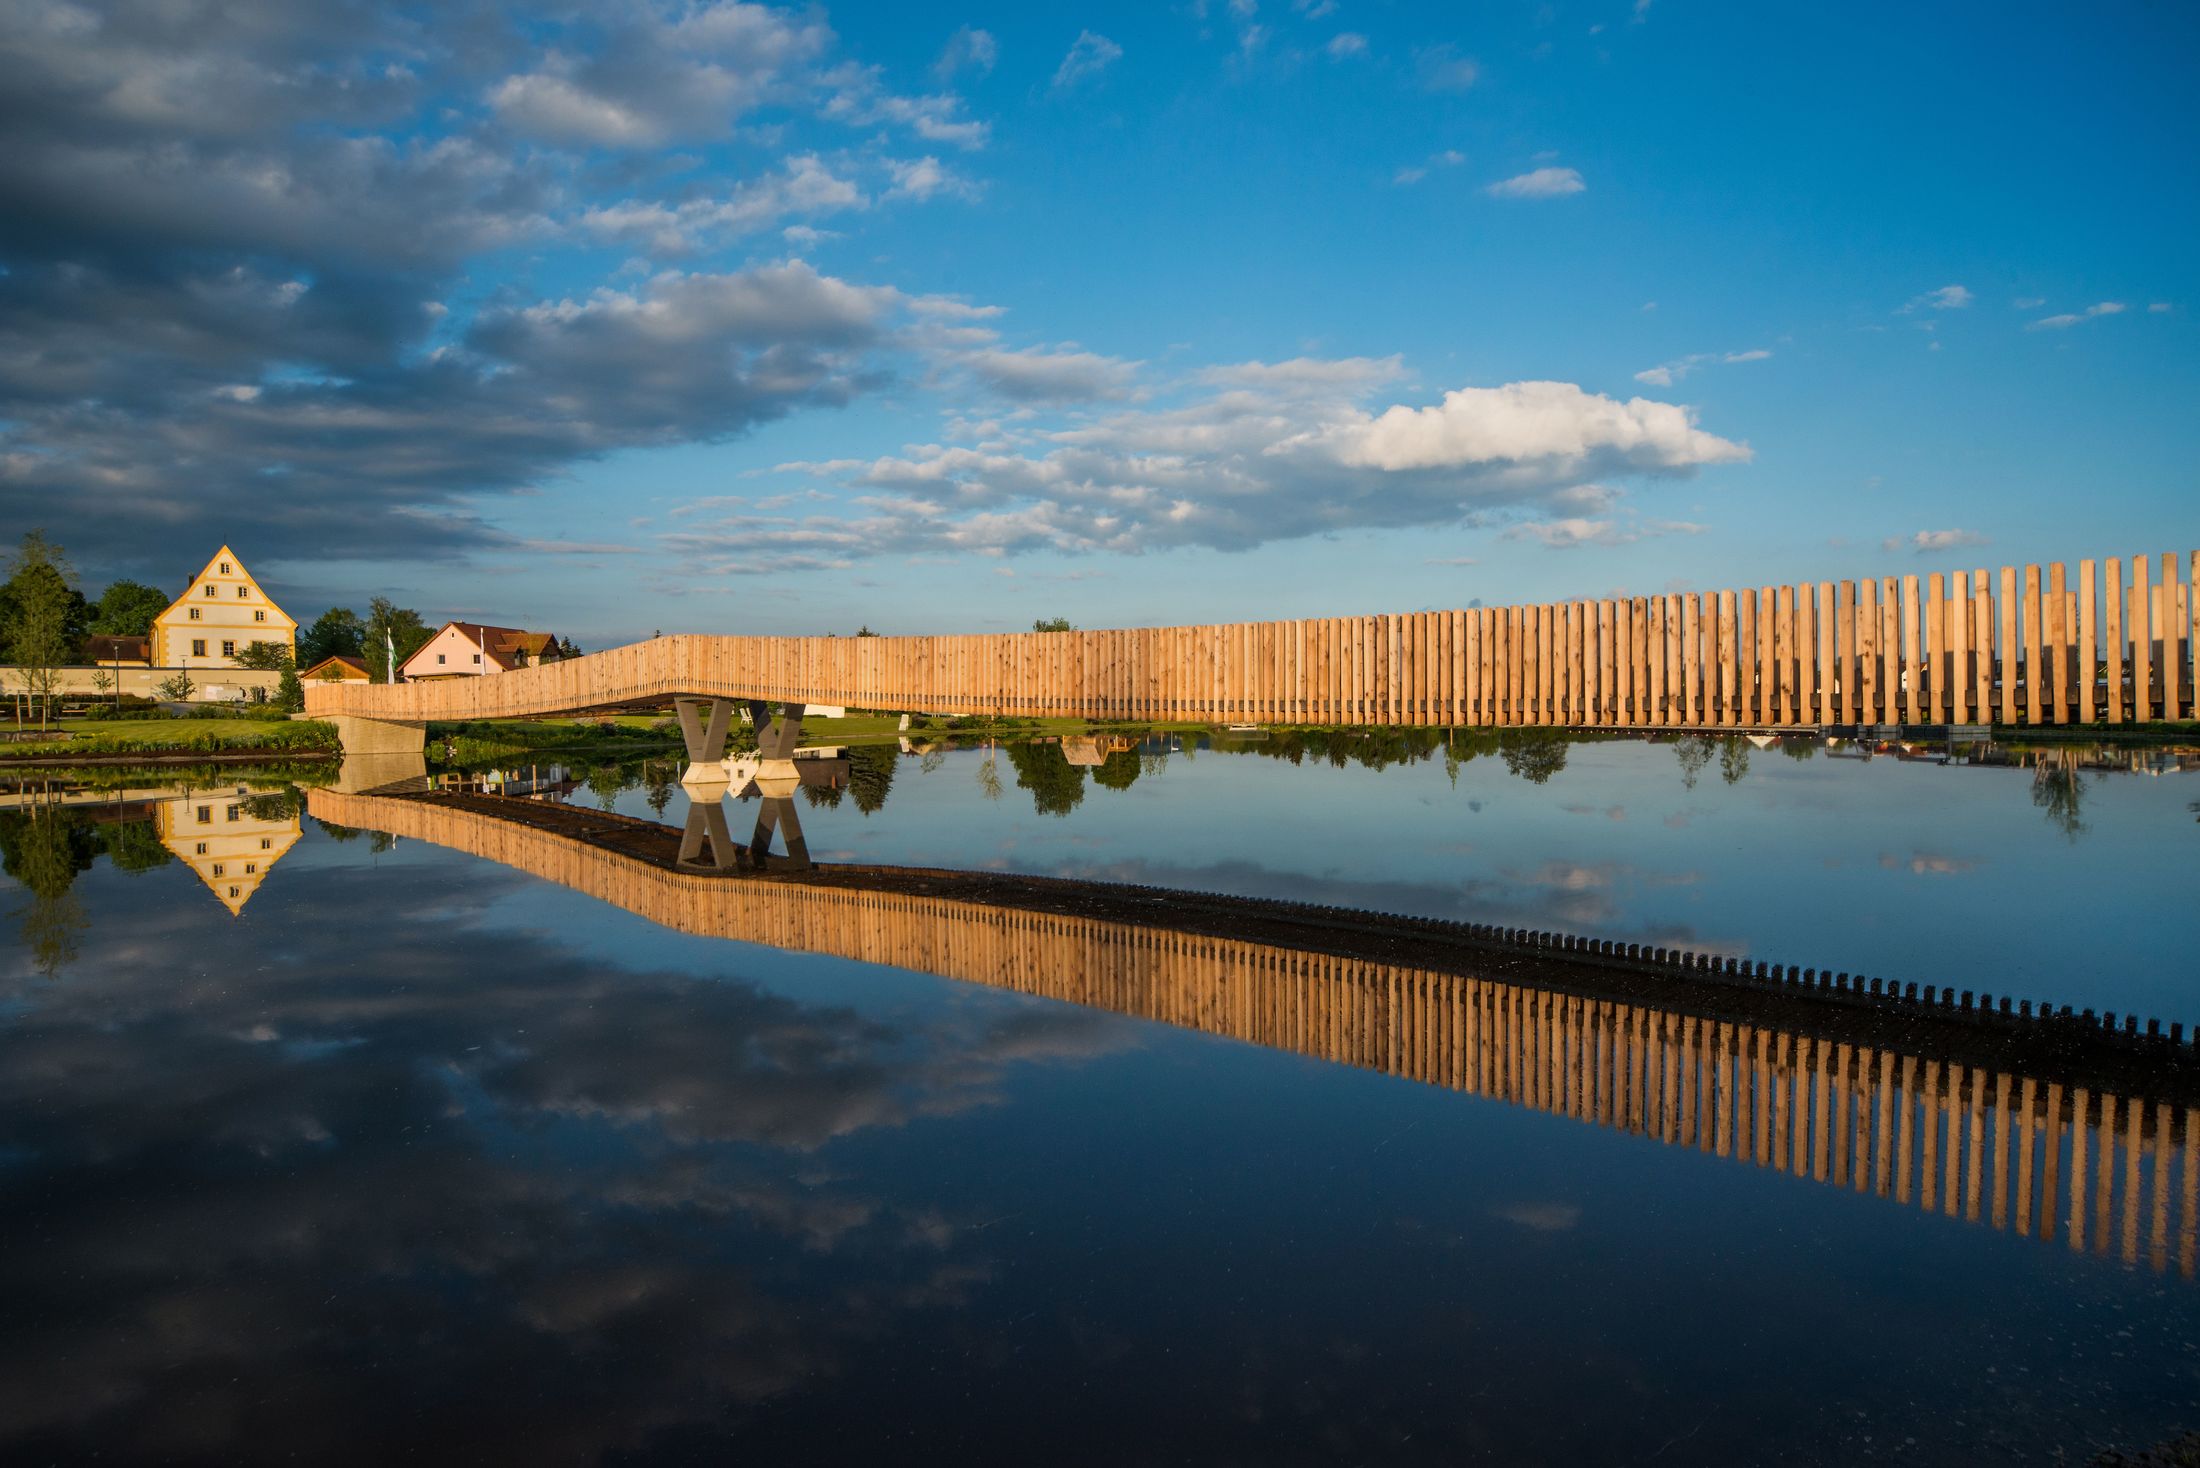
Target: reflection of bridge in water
{"points": [[2046, 1126]]}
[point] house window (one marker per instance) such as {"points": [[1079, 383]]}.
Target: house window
{"points": [[229, 649], [217, 869], [206, 815], [234, 892], [198, 647], [477, 659], [258, 615], [225, 568], [243, 592], [194, 614], [250, 867], [202, 844], [266, 842], [235, 811], [210, 589], [439, 657]]}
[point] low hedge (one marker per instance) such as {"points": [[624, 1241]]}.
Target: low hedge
{"points": [[192, 737]]}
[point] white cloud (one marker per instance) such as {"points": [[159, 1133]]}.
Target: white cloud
{"points": [[1089, 55], [1443, 69], [2029, 303], [1038, 376], [1346, 45], [1926, 541], [1555, 424], [1665, 374], [1946, 298], [2070, 319], [804, 186], [1413, 173], [969, 48], [1247, 454], [2158, 308], [921, 178], [1541, 183], [1572, 532]]}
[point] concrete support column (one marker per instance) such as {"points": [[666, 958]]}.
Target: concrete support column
{"points": [[703, 726], [777, 813]]}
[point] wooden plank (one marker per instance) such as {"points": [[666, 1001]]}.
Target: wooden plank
{"points": [[2170, 626], [2087, 655], [1912, 665], [2138, 616], [1867, 653], [2112, 635], [2035, 699], [2055, 646], [2005, 664]]}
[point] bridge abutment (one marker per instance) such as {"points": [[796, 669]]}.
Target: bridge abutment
{"points": [[362, 736]]}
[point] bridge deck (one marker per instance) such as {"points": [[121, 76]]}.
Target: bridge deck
{"points": [[2089, 644]]}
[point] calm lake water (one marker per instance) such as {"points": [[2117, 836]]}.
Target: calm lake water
{"points": [[360, 1149]]}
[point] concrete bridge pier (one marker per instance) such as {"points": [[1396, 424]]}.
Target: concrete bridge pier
{"points": [[776, 738], [704, 723]]}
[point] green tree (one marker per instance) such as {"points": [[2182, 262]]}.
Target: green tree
{"points": [[1119, 771], [605, 782], [176, 689], [871, 774], [865, 631], [337, 632], [44, 619], [657, 775], [1533, 754], [1057, 787], [1052, 624], [43, 850], [134, 846], [1733, 759], [290, 694], [127, 609], [2058, 789], [387, 624], [1694, 752], [266, 657]]}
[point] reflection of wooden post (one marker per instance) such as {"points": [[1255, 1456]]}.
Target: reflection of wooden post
{"points": [[2158, 1234], [2188, 1212], [2104, 1183], [1928, 1170], [1999, 1215], [1692, 1078], [1842, 1117], [1821, 1103], [1882, 1133], [2134, 1144], [1760, 1114], [1952, 1117], [2079, 1130], [2051, 1159], [1973, 1170], [1723, 1090], [2025, 1098], [1905, 1141]]}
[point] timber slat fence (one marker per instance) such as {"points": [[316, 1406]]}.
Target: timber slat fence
{"points": [[2104, 642], [2107, 1171]]}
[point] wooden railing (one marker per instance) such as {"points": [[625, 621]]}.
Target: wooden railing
{"points": [[2107, 642], [2040, 1153]]}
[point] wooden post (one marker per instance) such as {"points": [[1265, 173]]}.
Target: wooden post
{"points": [[2142, 643], [2112, 635], [2171, 624], [2035, 704], [2084, 671]]}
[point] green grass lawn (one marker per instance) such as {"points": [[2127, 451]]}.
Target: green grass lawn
{"points": [[150, 728]]}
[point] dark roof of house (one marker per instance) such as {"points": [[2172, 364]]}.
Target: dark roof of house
{"points": [[100, 649]]}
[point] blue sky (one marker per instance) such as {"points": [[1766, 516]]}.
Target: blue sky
{"points": [[722, 317]]}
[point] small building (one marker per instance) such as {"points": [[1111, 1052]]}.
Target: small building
{"points": [[339, 667], [222, 612], [118, 652], [475, 650]]}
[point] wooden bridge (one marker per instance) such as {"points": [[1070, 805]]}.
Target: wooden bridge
{"points": [[2037, 1124], [2098, 642]]}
